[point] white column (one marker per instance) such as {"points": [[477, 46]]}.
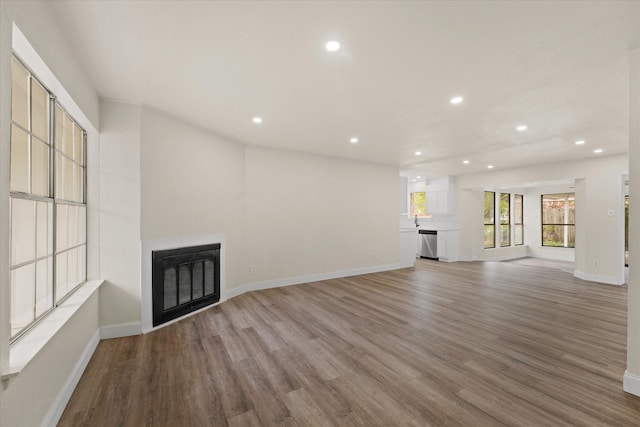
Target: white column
{"points": [[632, 375]]}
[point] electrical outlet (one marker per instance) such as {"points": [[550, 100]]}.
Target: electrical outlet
{"points": [[249, 269], [596, 263]]}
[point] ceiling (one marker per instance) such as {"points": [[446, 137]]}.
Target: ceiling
{"points": [[560, 68]]}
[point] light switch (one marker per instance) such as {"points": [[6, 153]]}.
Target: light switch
{"points": [[610, 212]]}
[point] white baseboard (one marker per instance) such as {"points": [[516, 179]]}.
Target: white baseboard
{"points": [[57, 408], [122, 330], [609, 280], [256, 286], [631, 383]]}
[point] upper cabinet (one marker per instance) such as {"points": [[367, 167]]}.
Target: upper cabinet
{"points": [[440, 194]]}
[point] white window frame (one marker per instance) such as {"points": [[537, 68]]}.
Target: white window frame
{"points": [[51, 199]]}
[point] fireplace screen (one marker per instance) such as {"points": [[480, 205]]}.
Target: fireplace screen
{"points": [[184, 280]]}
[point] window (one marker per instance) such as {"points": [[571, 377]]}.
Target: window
{"points": [[559, 220], [47, 180], [418, 204], [505, 219], [518, 219], [489, 219]]}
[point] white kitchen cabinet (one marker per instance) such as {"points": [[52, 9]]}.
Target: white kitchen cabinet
{"points": [[442, 245], [448, 245], [440, 194]]}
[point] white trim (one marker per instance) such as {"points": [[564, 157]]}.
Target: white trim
{"points": [[146, 249], [121, 330], [631, 383], [25, 349], [61, 400], [609, 280], [277, 283]]}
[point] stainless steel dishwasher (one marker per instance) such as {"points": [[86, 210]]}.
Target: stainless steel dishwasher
{"points": [[428, 244]]}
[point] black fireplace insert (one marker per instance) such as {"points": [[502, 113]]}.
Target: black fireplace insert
{"points": [[184, 280]]}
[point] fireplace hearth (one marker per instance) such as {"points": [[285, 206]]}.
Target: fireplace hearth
{"points": [[184, 280]]}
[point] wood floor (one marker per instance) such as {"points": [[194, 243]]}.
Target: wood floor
{"points": [[468, 344]]}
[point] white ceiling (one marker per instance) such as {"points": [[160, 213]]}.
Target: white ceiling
{"points": [[558, 67]]}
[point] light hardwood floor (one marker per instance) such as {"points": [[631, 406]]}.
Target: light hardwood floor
{"points": [[469, 344]]}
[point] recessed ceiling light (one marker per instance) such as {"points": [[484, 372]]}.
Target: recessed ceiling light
{"points": [[418, 176], [466, 162], [353, 140], [257, 120], [580, 142], [521, 128], [418, 153], [457, 100], [332, 46], [598, 150], [489, 166]]}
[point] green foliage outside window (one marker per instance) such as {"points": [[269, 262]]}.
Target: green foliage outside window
{"points": [[418, 204], [558, 220], [489, 219]]}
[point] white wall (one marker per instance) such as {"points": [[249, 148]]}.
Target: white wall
{"points": [[34, 394], [120, 219], [632, 376], [30, 396], [284, 215], [597, 233], [192, 185], [309, 214]]}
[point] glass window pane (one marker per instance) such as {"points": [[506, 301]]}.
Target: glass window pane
{"points": [[82, 224], [68, 137], [19, 160], [68, 179], [23, 227], [489, 207], [39, 111], [505, 237], [72, 272], [39, 168], [19, 95], [59, 133], [78, 187], [82, 263], [77, 144], [517, 209], [553, 235], [505, 208], [61, 276], [72, 225], [59, 192], [518, 234], [553, 208], [489, 236], [558, 220], [571, 201], [43, 234], [61, 228], [44, 289], [22, 297]]}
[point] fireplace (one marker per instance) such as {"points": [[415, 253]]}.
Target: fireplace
{"points": [[184, 280]]}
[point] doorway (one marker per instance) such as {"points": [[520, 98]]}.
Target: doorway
{"points": [[626, 227]]}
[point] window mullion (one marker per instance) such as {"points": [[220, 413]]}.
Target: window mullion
{"points": [[52, 189]]}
